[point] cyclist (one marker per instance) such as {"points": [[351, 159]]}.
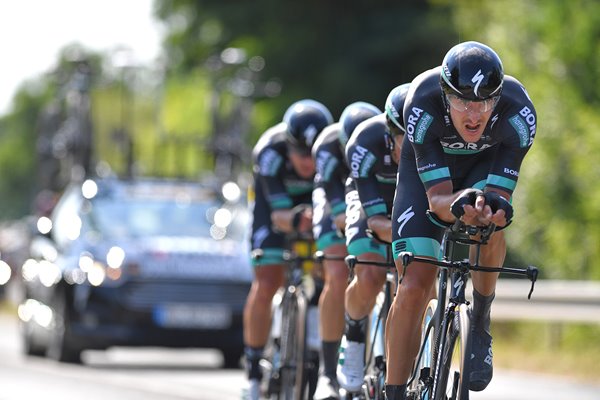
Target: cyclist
{"points": [[283, 183], [328, 224], [468, 128], [372, 154]]}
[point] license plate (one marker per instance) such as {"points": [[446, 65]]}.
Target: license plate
{"points": [[208, 316]]}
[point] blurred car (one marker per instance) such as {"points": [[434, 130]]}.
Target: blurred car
{"points": [[138, 263]]}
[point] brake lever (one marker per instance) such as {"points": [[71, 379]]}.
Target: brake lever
{"points": [[532, 274]]}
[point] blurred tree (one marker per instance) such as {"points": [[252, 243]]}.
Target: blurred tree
{"points": [[333, 53]]}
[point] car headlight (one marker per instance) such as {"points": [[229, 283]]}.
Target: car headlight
{"points": [[5, 272], [49, 273], [96, 274]]}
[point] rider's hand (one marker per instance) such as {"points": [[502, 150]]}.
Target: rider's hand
{"points": [[302, 219], [488, 208], [305, 224], [467, 197]]}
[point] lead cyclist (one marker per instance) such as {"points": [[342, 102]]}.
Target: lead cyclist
{"points": [[468, 128]]}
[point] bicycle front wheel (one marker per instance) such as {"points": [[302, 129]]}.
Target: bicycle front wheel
{"points": [[453, 365], [420, 384], [292, 346]]}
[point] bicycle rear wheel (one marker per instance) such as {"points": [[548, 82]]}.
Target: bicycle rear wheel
{"points": [[271, 362], [306, 372], [291, 353], [453, 367], [374, 382], [420, 383]]}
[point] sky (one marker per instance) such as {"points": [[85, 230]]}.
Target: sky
{"points": [[32, 33]]}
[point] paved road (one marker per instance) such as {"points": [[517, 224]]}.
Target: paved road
{"points": [[152, 374]]}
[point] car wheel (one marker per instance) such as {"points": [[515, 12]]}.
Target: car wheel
{"points": [[60, 347], [30, 346], [231, 358]]}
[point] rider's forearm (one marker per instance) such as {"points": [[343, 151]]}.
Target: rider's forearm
{"points": [[382, 226], [440, 198]]}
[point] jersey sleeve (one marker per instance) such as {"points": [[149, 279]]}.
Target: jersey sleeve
{"points": [[362, 163], [270, 164], [519, 131], [329, 177], [422, 133]]}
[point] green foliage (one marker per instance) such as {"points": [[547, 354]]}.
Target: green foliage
{"points": [[577, 345], [316, 49], [17, 149]]}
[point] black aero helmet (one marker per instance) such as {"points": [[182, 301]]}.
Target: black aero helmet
{"points": [[472, 71], [353, 115], [305, 119], [394, 104]]}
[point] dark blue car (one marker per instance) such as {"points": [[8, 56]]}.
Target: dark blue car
{"points": [[138, 263]]}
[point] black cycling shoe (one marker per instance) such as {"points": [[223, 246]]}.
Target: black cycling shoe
{"points": [[482, 368]]}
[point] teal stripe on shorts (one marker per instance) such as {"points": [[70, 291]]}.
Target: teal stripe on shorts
{"points": [[269, 257], [366, 245], [420, 246], [329, 239]]}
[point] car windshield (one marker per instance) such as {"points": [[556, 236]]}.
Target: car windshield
{"points": [[138, 218]]}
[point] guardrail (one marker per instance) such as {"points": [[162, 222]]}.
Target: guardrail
{"points": [[552, 301]]}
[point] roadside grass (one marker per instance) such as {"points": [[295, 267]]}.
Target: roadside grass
{"points": [[568, 350]]}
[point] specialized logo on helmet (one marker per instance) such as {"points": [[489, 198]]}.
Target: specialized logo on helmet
{"points": [[309, 135], [477, 79], [447, 71]]}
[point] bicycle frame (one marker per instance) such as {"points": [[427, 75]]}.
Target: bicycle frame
{"points": [[286, 381], [377, 332], [430, 382]]}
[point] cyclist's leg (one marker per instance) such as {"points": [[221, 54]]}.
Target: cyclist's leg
{"points": [[331, 302], [484, 286], [368, 280], [360, 295], [269, 276], [411, 231], [331, 306], [484, 283]]}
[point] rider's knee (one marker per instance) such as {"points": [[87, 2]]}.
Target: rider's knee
{"points": [[336, 277], [265, 287], [413, 294], [372, 277]]}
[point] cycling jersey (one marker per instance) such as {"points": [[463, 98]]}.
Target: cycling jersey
{"points": [[372, 179], [277, 186], [328, 195], [434, 152]]}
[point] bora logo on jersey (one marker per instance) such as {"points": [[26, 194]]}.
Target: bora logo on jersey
{"points": [[417, 125]]}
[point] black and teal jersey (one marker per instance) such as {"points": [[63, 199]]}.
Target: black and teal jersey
{"points": [[438, 146], [331, 169], [281, 185], [372, 168]]}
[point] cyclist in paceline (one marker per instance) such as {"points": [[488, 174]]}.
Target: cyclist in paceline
{"points": [[468, 128], [283, 183], [372, 155], [329, 215]]}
